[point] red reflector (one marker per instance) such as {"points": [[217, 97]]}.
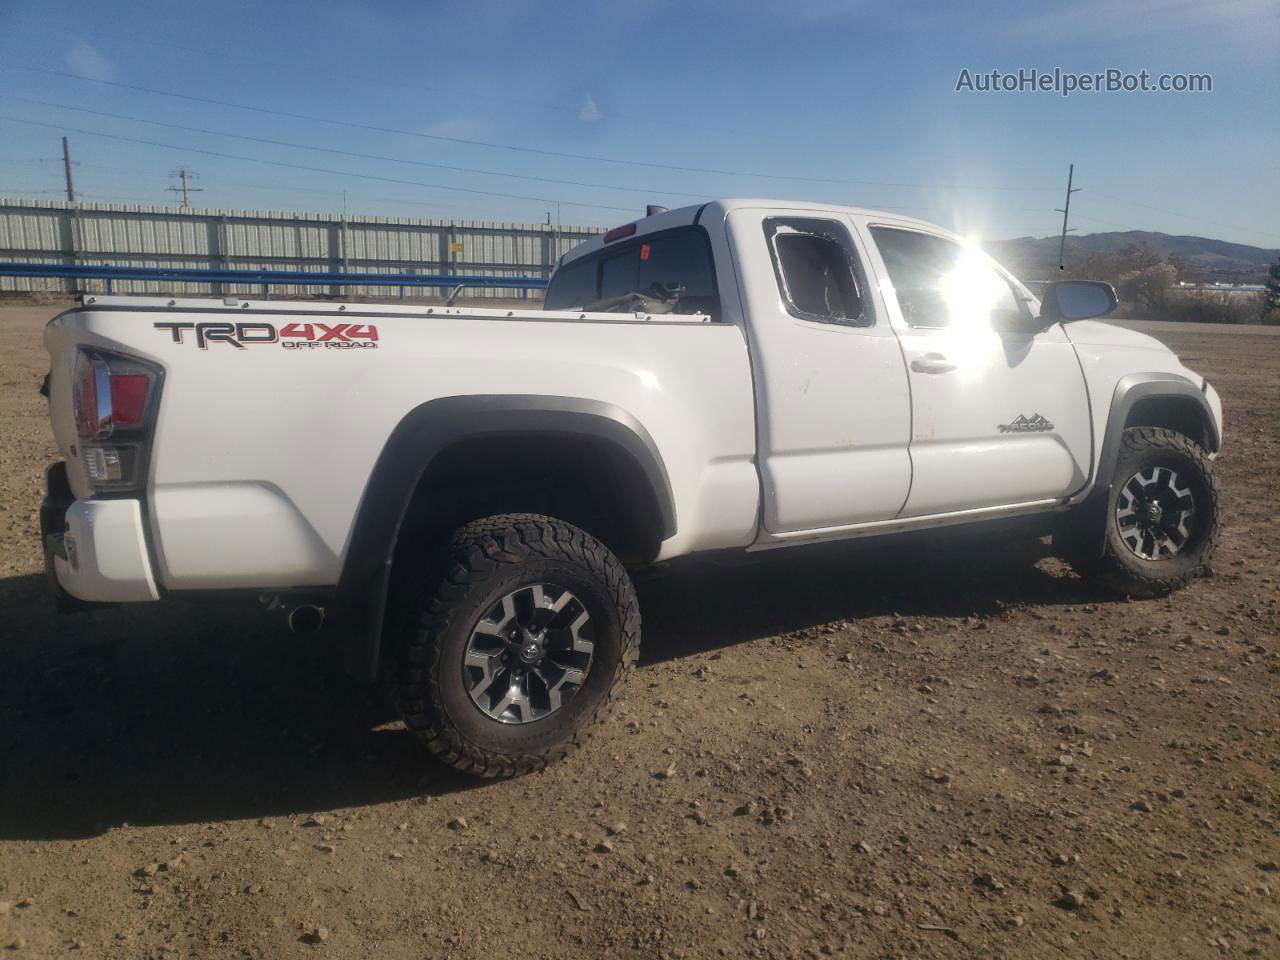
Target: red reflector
{"points": [[644, 251], [128, 398], [617, 233]]}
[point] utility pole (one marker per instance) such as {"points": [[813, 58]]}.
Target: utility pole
{"points": [[66, 166], [186, 189], [1064, 210]]}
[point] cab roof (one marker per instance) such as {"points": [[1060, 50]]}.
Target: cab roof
{"points": [[718, 209]]}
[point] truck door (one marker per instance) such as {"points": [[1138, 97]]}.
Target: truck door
{"points": [[1000, 412], [832, 401]]}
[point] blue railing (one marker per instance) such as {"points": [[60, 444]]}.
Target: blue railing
{"points": [[265, 278]]}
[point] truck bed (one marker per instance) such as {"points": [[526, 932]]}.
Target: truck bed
{"points": [[272, 414]]}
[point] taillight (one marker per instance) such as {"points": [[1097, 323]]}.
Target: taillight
{"points": [[114, 399], [92, 397]]}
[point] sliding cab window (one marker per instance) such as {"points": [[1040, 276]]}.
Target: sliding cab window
{"points": [[667, 272], [572, 286], [819, 275], [619, 274], [942, 284]]}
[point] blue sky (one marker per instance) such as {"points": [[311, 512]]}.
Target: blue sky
{"points": [[857, 92]]}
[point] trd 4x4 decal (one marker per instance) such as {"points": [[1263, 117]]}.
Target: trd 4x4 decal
{"points": [[292, 336], [1022, 424]]}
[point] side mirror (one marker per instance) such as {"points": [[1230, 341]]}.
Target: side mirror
{"points": [[1068, 300]]}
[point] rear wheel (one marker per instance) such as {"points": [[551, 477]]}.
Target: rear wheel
{"points": [[518, 646], [1162, 518]]}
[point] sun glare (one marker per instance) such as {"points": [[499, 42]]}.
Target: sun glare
{"points": [[970, 290]]}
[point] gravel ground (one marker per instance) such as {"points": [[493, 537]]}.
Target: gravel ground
{"points": [[950, 753]]}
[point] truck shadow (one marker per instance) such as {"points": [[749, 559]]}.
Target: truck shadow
{"points": [[189, 712], [184, 712], [700, 606]]}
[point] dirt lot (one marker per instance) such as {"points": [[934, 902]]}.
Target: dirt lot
{"points": [[876, 755]]}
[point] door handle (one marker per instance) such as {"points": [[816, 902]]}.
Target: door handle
{"points": [[932, 363]]}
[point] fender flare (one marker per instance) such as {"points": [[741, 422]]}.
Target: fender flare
{"points": [[425, 432], [430, 428], [1132, 389]]}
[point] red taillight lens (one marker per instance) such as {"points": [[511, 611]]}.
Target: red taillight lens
{"points": [[128, 398], [105, 400]]}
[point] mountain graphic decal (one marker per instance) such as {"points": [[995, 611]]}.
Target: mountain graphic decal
{"points": [[1024, 424]]}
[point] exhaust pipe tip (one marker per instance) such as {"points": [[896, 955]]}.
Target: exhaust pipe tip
{"points": [[306, 621]]}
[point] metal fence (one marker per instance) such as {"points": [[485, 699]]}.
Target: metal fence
{"points": [[130, 235]]}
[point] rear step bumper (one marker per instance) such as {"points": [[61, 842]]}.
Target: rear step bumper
{"points": [[95, 550]]}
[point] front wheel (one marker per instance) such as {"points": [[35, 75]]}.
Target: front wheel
{"points": [[518, 646], [1163, 516]]}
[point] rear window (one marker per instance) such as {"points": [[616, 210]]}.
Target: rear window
{"points": [[674, 266], [619, 274], [572, 286]]}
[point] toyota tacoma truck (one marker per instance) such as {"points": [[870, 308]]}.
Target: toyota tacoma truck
{"points": [[463, 495]]}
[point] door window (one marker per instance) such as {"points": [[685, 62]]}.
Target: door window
{"points": [[943, 284]]}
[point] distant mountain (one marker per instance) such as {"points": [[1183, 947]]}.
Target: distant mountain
{"points": [[1036, 258]]}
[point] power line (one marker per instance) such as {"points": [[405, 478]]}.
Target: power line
{"points": [[299, 166], [482, 143], [115, 197], [335, 192], [221, 182], [1185, 216], [330, 74], [349, 153], [1106, 223], [575, 156]]}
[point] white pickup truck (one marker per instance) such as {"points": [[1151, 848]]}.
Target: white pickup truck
{"points": [[463, 493]]}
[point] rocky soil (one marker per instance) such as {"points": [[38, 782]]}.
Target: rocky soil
{"points": [[942, 752]]}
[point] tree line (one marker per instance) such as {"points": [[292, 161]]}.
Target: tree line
{"points": [[1151, 288]]}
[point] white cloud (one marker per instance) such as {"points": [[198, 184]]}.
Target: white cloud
{"points": [[83, 58], [590, 111]]}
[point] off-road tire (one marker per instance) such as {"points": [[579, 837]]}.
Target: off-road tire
{"points": [[1115, 566], [483, 561]]}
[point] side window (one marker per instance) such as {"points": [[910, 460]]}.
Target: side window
{"points": [[817, 269], [670, 271], [943, 284]]}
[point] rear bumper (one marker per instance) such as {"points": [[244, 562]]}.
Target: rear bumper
{"points": [[95, 550]]}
